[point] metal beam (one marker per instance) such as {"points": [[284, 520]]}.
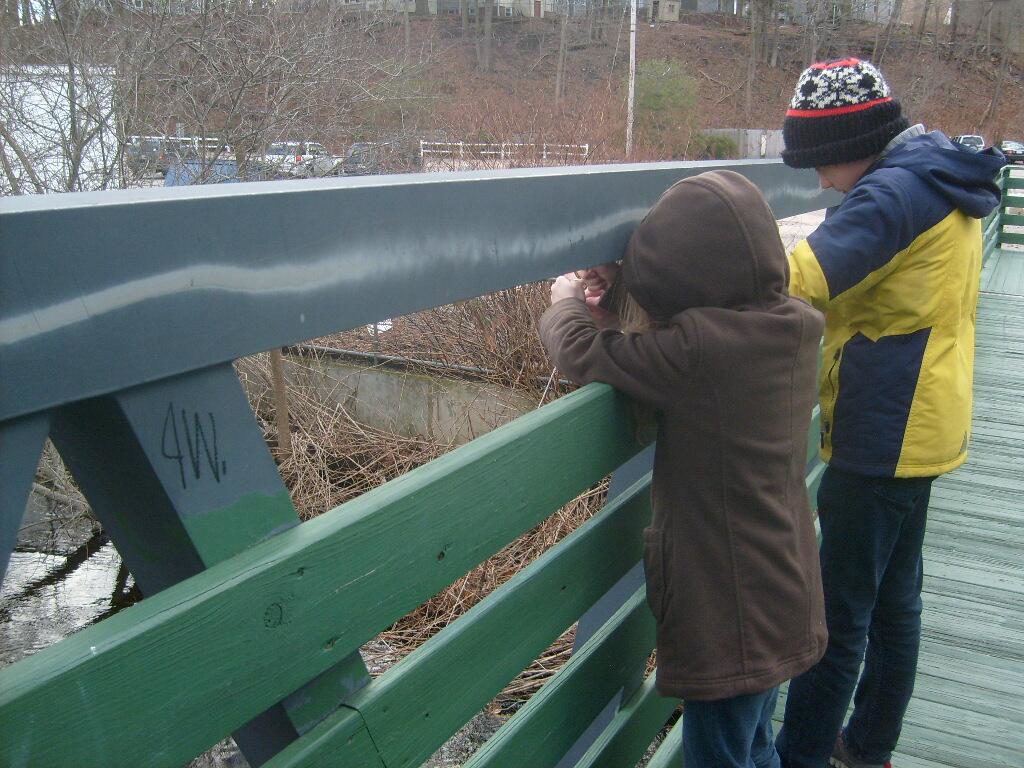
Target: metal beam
{"points": [[180, 476], [116, 289], [21, 443]]}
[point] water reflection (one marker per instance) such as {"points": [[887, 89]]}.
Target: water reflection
{"points": [[46, 597], [64, 576]]}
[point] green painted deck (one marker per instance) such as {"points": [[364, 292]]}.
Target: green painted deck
{"points": [[968, 706]]}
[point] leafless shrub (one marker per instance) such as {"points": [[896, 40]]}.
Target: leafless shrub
{"points": [[494, 335]]}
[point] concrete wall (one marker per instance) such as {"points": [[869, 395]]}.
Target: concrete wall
{"points": [[753, 143], [406, 403]]}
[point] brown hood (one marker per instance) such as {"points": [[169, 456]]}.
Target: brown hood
{"points": [[710, 241]]}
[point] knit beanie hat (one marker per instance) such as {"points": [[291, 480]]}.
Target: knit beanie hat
{"points": [[841, 111]]}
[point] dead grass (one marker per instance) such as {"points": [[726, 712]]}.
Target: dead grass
{"points": [[495, 336]]}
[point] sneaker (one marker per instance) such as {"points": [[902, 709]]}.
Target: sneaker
{"points": [[842, 757]]}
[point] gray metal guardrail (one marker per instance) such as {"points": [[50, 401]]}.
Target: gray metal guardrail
{"points": [[112, 289]]}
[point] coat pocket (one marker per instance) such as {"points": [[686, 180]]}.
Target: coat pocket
{"points": [[654, 571]]}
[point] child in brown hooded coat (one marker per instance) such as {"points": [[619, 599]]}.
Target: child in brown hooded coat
{"points": [[727, 360]]}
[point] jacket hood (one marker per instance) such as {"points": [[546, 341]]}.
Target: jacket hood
{"points": [[710, 241], [965, 178]]}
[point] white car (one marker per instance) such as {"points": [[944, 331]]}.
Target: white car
{"points": [[972, 141], [299, 159]]}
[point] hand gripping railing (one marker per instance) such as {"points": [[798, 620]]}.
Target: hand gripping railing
{"points": [[120, 315]]}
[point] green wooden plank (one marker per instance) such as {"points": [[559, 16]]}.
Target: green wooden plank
{"points": [[670, 753], [911, 761], [990, 221], [540, 733], [966, 525], [1013, 220], [419, 703], [948, 734], [169, 670], [990, 230], [1013, 182], [1012, 238], [969, 666], [993, 540], [974, 625], [814, 435], [948, 572], [631, 731], [988, 249], [1001, 574], [812, 482], [968, 697]]}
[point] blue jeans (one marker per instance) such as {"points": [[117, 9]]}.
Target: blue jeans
{"points": [[730, 733], [872, 531]]}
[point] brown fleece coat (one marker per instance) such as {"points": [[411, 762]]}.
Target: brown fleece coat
{"points": [[730, 556]]}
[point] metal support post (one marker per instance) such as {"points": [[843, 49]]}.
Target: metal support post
{"points": [[179, 475]]}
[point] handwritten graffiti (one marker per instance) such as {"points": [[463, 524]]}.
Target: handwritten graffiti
{"points": [[199, 436]]}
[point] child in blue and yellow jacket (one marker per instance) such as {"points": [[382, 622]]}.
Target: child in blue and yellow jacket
{"points": [[895, 269]]}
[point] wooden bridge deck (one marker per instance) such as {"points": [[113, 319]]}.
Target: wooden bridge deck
{"points": [[968, 706]]}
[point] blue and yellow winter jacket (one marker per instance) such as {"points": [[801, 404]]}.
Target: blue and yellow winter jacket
{"points": [[895, 268]]}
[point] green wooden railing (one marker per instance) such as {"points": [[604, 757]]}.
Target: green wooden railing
{"points": [[993, 226], [160, 682], [1013, 197], [249, 612]]}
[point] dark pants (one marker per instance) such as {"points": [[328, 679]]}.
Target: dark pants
{"points": [[730, 733], [872, 531]]}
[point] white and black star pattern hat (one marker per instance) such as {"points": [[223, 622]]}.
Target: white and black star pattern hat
{"points": [[841, 111]]}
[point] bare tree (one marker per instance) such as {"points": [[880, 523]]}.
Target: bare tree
{"points": [[993, 104], [885, 36], [486, 37], [922, 22], [560, 67], [812, 32], [234, 76], [60, 111], [954, 22]]}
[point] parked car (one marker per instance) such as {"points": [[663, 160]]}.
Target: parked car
{"points": [[970, 141], [155, 154], [146, 155], [374, 157], [299, 159], [1014, 151]]}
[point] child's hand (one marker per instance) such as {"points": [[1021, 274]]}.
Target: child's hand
{"points": [[597, 280], [567, 287]]}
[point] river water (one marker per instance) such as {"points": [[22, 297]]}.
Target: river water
{"points": [[46, 597], [63, 575]]}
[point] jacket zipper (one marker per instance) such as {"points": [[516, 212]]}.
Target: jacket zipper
{"points": [[826, 416]]}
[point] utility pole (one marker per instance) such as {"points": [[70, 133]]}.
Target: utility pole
{"points": [[632, 77]]}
